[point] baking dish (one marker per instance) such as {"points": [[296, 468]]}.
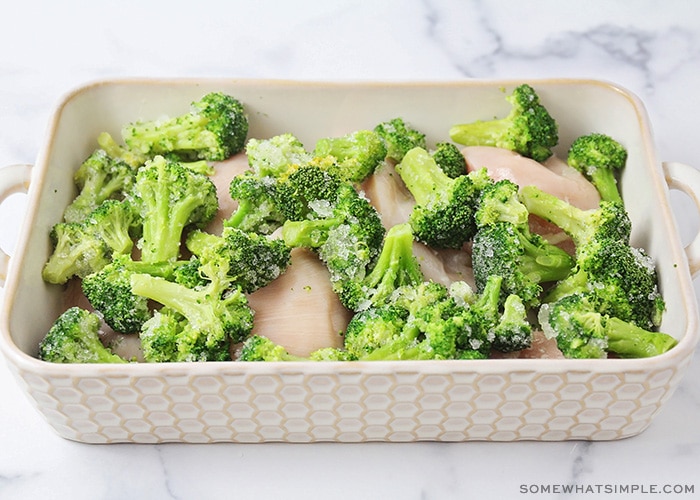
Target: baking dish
{"points": [[495, 400]]}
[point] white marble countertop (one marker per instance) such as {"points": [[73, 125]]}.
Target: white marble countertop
{"points": [[649, 47]]}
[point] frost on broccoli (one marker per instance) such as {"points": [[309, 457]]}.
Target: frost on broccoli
{"points": [[622, 278], [443, 216], [528, 129], [504, 245], [214, 129], [82, 248], [357, 154], [100, 177], [399, 137], [74, 338], [581, 331]]}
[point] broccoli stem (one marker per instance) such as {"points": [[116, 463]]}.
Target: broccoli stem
{"points": [[570, 219], [308, 233], [604, 180], [631, 341], [396, 265], [422, 176], [544, 263]]}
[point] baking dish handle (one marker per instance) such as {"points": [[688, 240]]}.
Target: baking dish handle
{"points": [[13, 179], [686, 179]]}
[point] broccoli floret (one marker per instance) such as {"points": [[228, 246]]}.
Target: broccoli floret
{"points": [[259, 348], [623, 278], [214, 129], [513, 332], [254, 260], [345, 228], [450, 159], [160, 336], [274, 156], [77, 251], [74, 338], [357, 154], [115, 150], [374, 327], [583, 332], [528, 129], [396, 266], [307, 192], [214, 317], [479, 319], [399, 137], [610, 220], [599, 157], [257, 209], [431, 325], [100, 177], [114, 221], [170, 200], [109, 291], [504, 245], [444, 212]]}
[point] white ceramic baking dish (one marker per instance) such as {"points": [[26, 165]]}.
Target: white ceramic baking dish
{"points": [[497, 400]]}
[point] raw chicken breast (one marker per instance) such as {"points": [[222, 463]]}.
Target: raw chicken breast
{"points": [[299, 310], [554, 176], [389, 195]]}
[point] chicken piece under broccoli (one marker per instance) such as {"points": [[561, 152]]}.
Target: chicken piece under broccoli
{"points": [[399, 137], [528, 129], [504, 245], [215, 128], [583, 332], [100, 177], [170, 200], [622, 278], [600, 158], [74, 338], [443, 216], [357, 154]]}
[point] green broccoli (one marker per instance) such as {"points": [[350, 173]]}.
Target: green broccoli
{"points": [[257, 208], [259, 348], [215, 316], [74, 338], [396, 266], [274, 156], [450, 159], [513, 331], [134, 159], [528, 129], [334, 220], [170, 200], [399, 137], [254, 260], [214, 129], [109, 291], [374, 327], [443, 216], [357, 154], [114, 222], [100, 177], [583, 332], [478, 320], [82, 248], [504, 245], [599, 157], [623, 278]]}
